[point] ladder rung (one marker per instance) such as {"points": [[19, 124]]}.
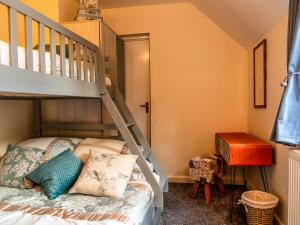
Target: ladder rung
{"points": [[130, 124]]}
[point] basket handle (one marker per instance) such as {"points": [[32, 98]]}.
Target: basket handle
{"points": [[240, 201]]}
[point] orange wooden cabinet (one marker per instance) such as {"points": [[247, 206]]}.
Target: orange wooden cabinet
{"points": [[241, 149]]}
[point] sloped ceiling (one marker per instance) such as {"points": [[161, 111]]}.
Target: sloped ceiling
{"points": [[245, 20]]}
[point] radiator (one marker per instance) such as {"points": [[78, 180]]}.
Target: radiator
{"points": [[294, 188]]}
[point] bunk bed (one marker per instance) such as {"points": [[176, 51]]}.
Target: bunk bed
{"points": [[76, 71]]}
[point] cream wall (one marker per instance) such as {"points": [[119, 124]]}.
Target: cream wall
{"points": [[15, 122], [260, 121], [198, 79], [48, 8], [68, 10], [58, 10]]}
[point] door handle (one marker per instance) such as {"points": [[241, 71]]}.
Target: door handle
{"points": [[146, 106]]}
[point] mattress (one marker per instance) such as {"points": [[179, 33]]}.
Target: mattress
{"points": [[32, 207], [4, 60]]}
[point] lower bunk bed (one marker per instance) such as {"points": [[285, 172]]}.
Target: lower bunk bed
{"points": [[31, 206]]}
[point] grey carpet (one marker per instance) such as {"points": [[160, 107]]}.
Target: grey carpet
{"points": [[181, 209]]}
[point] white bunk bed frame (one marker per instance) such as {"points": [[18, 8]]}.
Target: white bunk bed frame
{"points": [[88, 82]]}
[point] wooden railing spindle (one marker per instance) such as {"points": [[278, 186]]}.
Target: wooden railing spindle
{"points": [[53, 51], [42, 48], [85, 66], [29, 53], [94, 66], [78, 60], [63, 55], [92, 63], [71, 58], [13, 35]]}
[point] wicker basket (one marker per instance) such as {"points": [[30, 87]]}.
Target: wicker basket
{"points": [[259, 207]]}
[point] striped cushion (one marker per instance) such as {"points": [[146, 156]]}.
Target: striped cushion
{"points": [[57, 175]]}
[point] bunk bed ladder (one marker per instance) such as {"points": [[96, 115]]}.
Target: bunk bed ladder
{"points": [[137, 144]]}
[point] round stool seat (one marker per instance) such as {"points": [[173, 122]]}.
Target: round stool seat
{"points": [[205, 168]]}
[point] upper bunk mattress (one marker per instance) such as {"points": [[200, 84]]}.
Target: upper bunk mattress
{"points": [[32, 207]]}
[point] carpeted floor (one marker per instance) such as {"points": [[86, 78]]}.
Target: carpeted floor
{"points": [[181, 209]]}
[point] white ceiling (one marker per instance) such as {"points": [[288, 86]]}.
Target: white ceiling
{"points": [[245, 20]]}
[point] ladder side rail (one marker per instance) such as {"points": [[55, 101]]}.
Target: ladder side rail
{"points": [[129, 139], [139, 135], [124, 108], [150, 156], [148, 150]]}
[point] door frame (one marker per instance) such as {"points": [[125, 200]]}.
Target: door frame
{"points": [[141, 37]]}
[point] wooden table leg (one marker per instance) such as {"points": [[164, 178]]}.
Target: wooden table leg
{"points": [[219, 184], [208, 193], [196, 188]]}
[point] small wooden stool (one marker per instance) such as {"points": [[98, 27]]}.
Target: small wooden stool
{"points": [[207, 169]]}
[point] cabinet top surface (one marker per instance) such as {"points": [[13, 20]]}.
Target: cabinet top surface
{"points": [[242, 139]]}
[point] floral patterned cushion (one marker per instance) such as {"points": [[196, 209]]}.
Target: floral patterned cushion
{"points": [[105, 175], [17, 163], [52, 146]]}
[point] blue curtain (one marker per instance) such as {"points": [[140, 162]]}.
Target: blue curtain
{"points": [[286, 129]]}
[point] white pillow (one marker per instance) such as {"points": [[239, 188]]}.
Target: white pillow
{"points": [[110, 146], [105, 174], [41, 143], [52, 145]]}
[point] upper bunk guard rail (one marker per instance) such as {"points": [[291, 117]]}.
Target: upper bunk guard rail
{"points": [[77, 73]]}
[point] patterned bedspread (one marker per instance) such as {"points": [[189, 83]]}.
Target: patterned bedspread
{"points": [[32, 207]]}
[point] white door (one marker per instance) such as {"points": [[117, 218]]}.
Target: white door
{"points": [[137, 81]]}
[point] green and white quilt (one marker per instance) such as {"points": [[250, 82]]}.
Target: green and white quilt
{"points": [[32, 207]]}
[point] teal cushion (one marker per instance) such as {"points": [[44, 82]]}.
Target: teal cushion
{"points": [[57, 175]]}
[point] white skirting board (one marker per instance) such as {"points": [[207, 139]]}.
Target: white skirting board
{"points": [[226, 179]]}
